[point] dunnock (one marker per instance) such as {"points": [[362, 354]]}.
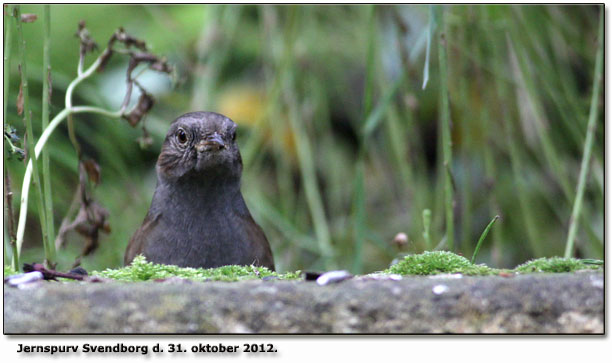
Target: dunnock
{"points": [[198, 217]]}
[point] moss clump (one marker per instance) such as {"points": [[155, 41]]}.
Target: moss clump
{"points": [[427, 263], [8, 271], [141, 270], [437, 262], [558, 264]]}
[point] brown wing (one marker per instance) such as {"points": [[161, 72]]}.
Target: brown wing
{"points": [[138, 241]]}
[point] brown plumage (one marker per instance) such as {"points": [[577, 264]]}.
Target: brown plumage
{"points": [[198, 217]]}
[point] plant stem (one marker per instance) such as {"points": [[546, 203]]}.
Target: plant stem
{"points": [[45, 122], [10, 224], [588, 144], [8, 30], [37, 150], [446, 132], [359, 213], [27, 117], [307, 169], [426, 225], [25, 187], [305, 155]]}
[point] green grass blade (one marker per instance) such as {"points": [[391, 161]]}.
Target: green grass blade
{"points": [[8, 31], [446, 131], [588, 144], [430, 30], [483, 236]]}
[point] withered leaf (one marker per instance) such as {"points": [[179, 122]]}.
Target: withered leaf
{"points": [[129, 40], [29, 18], [155, 63], [145, 103], [89, 221], [161, 66], [104, 58], [93, 171], [91, 217], [87, 44]]}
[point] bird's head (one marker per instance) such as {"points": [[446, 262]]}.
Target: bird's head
{"points": [[200, 145]]}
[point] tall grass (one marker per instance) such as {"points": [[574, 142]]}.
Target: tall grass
{"points": [[342, 146], [588, 144], [8, 207], [30, 139], [445, 126]]}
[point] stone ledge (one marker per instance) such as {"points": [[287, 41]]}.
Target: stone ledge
{"points": [[537, 303]]}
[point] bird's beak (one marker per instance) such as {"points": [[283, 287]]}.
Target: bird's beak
{"points": [[211, 142]]}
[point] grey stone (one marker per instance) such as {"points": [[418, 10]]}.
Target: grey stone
{"points": [[537, 303]]}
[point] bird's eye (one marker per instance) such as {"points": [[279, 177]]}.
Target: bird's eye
{"points": [[234, 135], [181, 136]]}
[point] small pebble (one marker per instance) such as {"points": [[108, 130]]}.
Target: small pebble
{"points": [[380, 276], [439, 289], [446, 276], [333, 276], [24, 279], [596, 281]]}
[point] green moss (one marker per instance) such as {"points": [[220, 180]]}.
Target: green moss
{"points": [[141, 270], [8, 270], [427, 263], [558, 264], [433, 263]]}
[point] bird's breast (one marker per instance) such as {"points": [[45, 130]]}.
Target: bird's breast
{"points": [[200, 235]]}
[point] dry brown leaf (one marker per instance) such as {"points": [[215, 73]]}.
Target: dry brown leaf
{"points": [[93, 171]]}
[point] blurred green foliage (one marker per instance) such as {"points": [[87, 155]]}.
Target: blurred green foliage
{"points": [[302, 82]]}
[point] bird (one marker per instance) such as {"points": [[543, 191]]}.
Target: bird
{"points": [[198, 217]]}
